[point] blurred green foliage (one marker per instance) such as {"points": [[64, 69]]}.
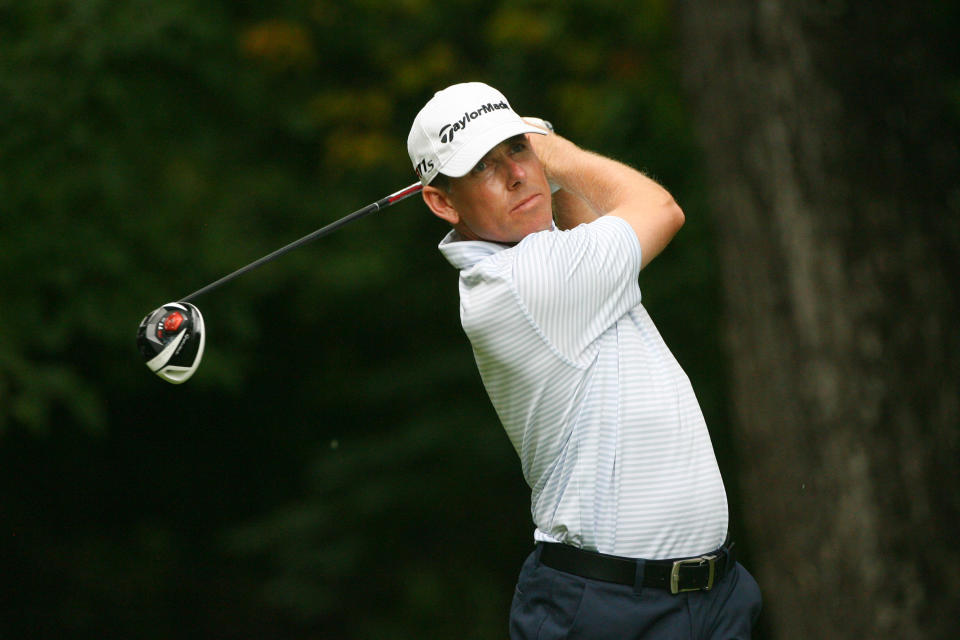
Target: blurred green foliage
{"points": [[334, 468]]}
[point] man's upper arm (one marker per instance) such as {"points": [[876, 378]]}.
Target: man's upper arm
{"points": [[576, 284]]}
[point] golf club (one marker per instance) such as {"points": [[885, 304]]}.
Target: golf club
{"points": [[171, 338]]}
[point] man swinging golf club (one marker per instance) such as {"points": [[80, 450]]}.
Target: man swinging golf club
{"points": [[629, 506]]}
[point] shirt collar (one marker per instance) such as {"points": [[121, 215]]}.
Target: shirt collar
{"points": [[463, 254]]}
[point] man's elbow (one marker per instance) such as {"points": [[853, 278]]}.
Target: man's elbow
{"points": [[673, 215]]}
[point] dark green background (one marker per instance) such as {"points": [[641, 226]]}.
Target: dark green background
{"points": [[334, 469]]}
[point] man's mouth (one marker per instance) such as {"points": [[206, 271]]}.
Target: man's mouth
{"points": [[525, 204]]}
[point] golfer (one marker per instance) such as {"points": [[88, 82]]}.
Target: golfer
{"points": [[629, 506]]}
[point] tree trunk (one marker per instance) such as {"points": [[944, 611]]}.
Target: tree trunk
{"points": [[832, 158]]}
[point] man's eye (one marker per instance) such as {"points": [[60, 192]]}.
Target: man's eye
{"points": [[519, 146], [480, 166]]}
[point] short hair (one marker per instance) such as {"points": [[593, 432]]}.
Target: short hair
{"points": [[441, 181]]}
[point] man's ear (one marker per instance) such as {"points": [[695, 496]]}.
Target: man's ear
{"points": [[438, 201]]}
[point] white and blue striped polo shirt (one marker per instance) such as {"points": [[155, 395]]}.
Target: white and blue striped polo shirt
{"points": [[606, 424]]}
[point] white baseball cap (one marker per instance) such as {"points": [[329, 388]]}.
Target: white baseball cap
{"points": [[458, 126]]}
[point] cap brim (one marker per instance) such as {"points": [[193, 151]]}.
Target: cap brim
{"points": [[471, 153]]}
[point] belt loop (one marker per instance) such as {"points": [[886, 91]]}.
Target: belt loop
{"points": [[638, 582], [731, 556]]}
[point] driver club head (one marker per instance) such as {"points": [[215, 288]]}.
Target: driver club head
{"points": [[171, 340]]}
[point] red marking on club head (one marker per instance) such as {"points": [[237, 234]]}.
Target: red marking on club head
{"points": [[173, 321]]}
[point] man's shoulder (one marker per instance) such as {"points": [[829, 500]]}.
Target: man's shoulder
{"points": [[602, 226], [542, 250], [597, 238]]}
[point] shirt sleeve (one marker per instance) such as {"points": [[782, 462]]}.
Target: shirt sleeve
{"points": [[576, 284]]}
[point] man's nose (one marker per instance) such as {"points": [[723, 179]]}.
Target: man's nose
{"points": [[515, 173]]}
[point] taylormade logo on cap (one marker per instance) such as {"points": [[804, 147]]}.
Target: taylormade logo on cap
{"points": [[447, 131], [458, 126]]}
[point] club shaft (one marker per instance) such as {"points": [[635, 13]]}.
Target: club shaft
{"points": [[383, 203]]}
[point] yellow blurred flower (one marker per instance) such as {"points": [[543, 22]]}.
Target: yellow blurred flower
{"points": [[278, 42]]}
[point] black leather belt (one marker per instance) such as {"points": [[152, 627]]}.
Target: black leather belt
{"points": [[676, 576]]}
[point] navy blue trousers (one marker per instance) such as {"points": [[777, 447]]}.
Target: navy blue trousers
{"points": [[550, 605]]}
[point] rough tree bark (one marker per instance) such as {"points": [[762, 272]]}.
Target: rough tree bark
{"points": [[832, 156]]}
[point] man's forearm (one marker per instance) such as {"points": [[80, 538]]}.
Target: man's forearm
{"points": [[580, 172], [609, 188]]}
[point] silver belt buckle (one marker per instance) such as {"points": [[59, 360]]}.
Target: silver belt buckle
{"points": [[693, 562]]}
